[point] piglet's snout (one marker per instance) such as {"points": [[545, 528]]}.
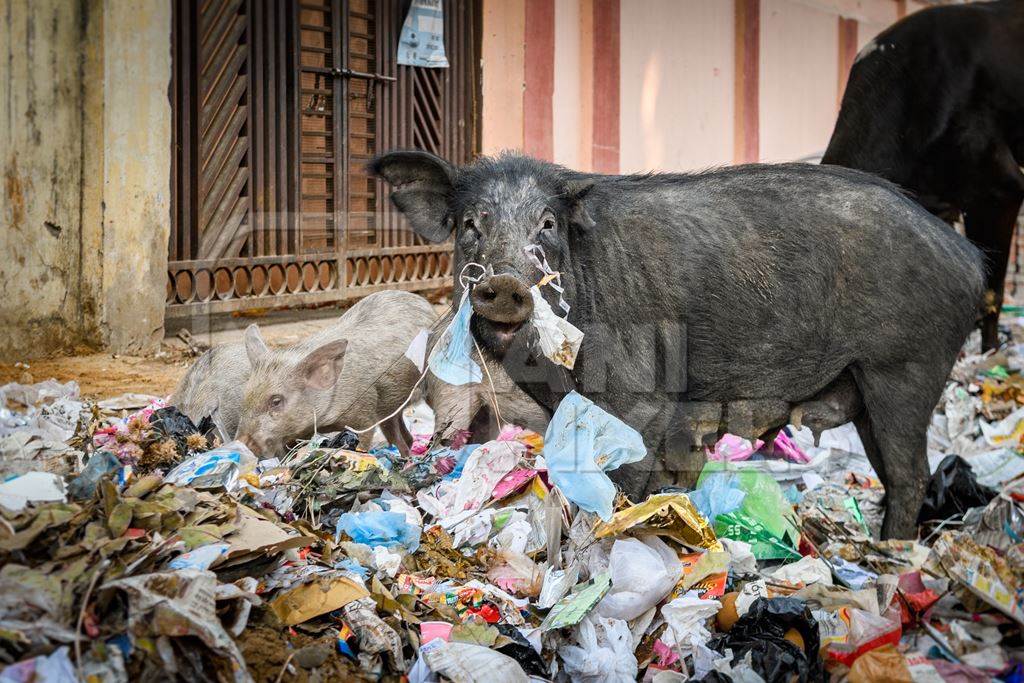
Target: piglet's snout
{"points": [[503, 299]]}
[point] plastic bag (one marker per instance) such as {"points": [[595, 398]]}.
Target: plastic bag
{"points": [[952, 490], [559, 339], [219, 468], [83, 487], [53, 668], [450, 360], [718, 494], [761, 634], [687, 618], [765, 519], [171, 423], [807, 571], [581, 443], [643, 574], [200, 558], [604, 653], [470, 663], [883, 664], [732, 448], [853, 632], [786, 446], [388, 529]]}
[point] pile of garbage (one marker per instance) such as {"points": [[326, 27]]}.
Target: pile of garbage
{"points": [[136, 545]]}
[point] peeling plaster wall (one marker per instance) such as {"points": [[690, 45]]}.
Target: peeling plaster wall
{"points": [[85, 130], [40, 174], [136, 171]]}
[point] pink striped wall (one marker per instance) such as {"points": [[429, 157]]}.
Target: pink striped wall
{"points": [[633, 85]]}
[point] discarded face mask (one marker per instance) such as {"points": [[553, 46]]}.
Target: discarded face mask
{"points": [[387, 529], [559, 339], [450, 360], [581, 443]]}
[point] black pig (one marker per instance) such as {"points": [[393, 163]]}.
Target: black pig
{"points": [[750, 285]]}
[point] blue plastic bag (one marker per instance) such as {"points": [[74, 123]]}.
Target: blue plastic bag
{"points": [[374, 529], [718, 494], [583, 442], [450, 360]]}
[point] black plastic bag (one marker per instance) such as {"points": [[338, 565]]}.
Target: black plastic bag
{"points": [[521, 651], [761, 632], [952, 491], [343, 439]]}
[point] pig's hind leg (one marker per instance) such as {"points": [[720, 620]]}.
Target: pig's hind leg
{"points": [[898, 401]]}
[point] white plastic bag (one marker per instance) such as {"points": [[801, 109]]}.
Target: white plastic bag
{"points": [[559, 339], [604, 653], [687, 618], [643, 574], [469, 663]]}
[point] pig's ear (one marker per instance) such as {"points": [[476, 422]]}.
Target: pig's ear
{"points": [[576, 192], [421, 189], [255, 347], [322, 367]]}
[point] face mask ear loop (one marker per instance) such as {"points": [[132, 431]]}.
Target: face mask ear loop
{"points": [[535, 253]]}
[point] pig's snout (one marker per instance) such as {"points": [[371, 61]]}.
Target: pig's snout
{"points": [[259, 447], [503, 299]]}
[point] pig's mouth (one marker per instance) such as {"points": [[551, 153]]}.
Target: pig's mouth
{"points": [[494, 336]]}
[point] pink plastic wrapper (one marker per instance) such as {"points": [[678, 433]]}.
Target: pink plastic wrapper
{"points": [[420, 444], [788, 448], [432, 630], [514, 481], [732, 448]]}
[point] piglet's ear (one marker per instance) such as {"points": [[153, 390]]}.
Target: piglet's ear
{"points": [[322, 367], [422, 189], [576, 192], [255, 347]]}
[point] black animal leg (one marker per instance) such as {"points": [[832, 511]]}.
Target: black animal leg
{"points": [[990, 226]]}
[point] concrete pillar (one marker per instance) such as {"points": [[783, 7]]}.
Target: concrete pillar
{"points": [[136, 171]]}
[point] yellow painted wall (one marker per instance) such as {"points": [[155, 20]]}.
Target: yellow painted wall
{"points": [[502, 52], [568, 111], [676, 94], [798, 79]]}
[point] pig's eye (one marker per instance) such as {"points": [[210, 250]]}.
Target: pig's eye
{"points": [[469, 225], [276, 401]]}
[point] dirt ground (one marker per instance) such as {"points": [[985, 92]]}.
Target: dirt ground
{"points": [[102, 375]]}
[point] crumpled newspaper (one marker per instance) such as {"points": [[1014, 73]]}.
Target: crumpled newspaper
{"points": [[181, 603], [981, 571]]}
